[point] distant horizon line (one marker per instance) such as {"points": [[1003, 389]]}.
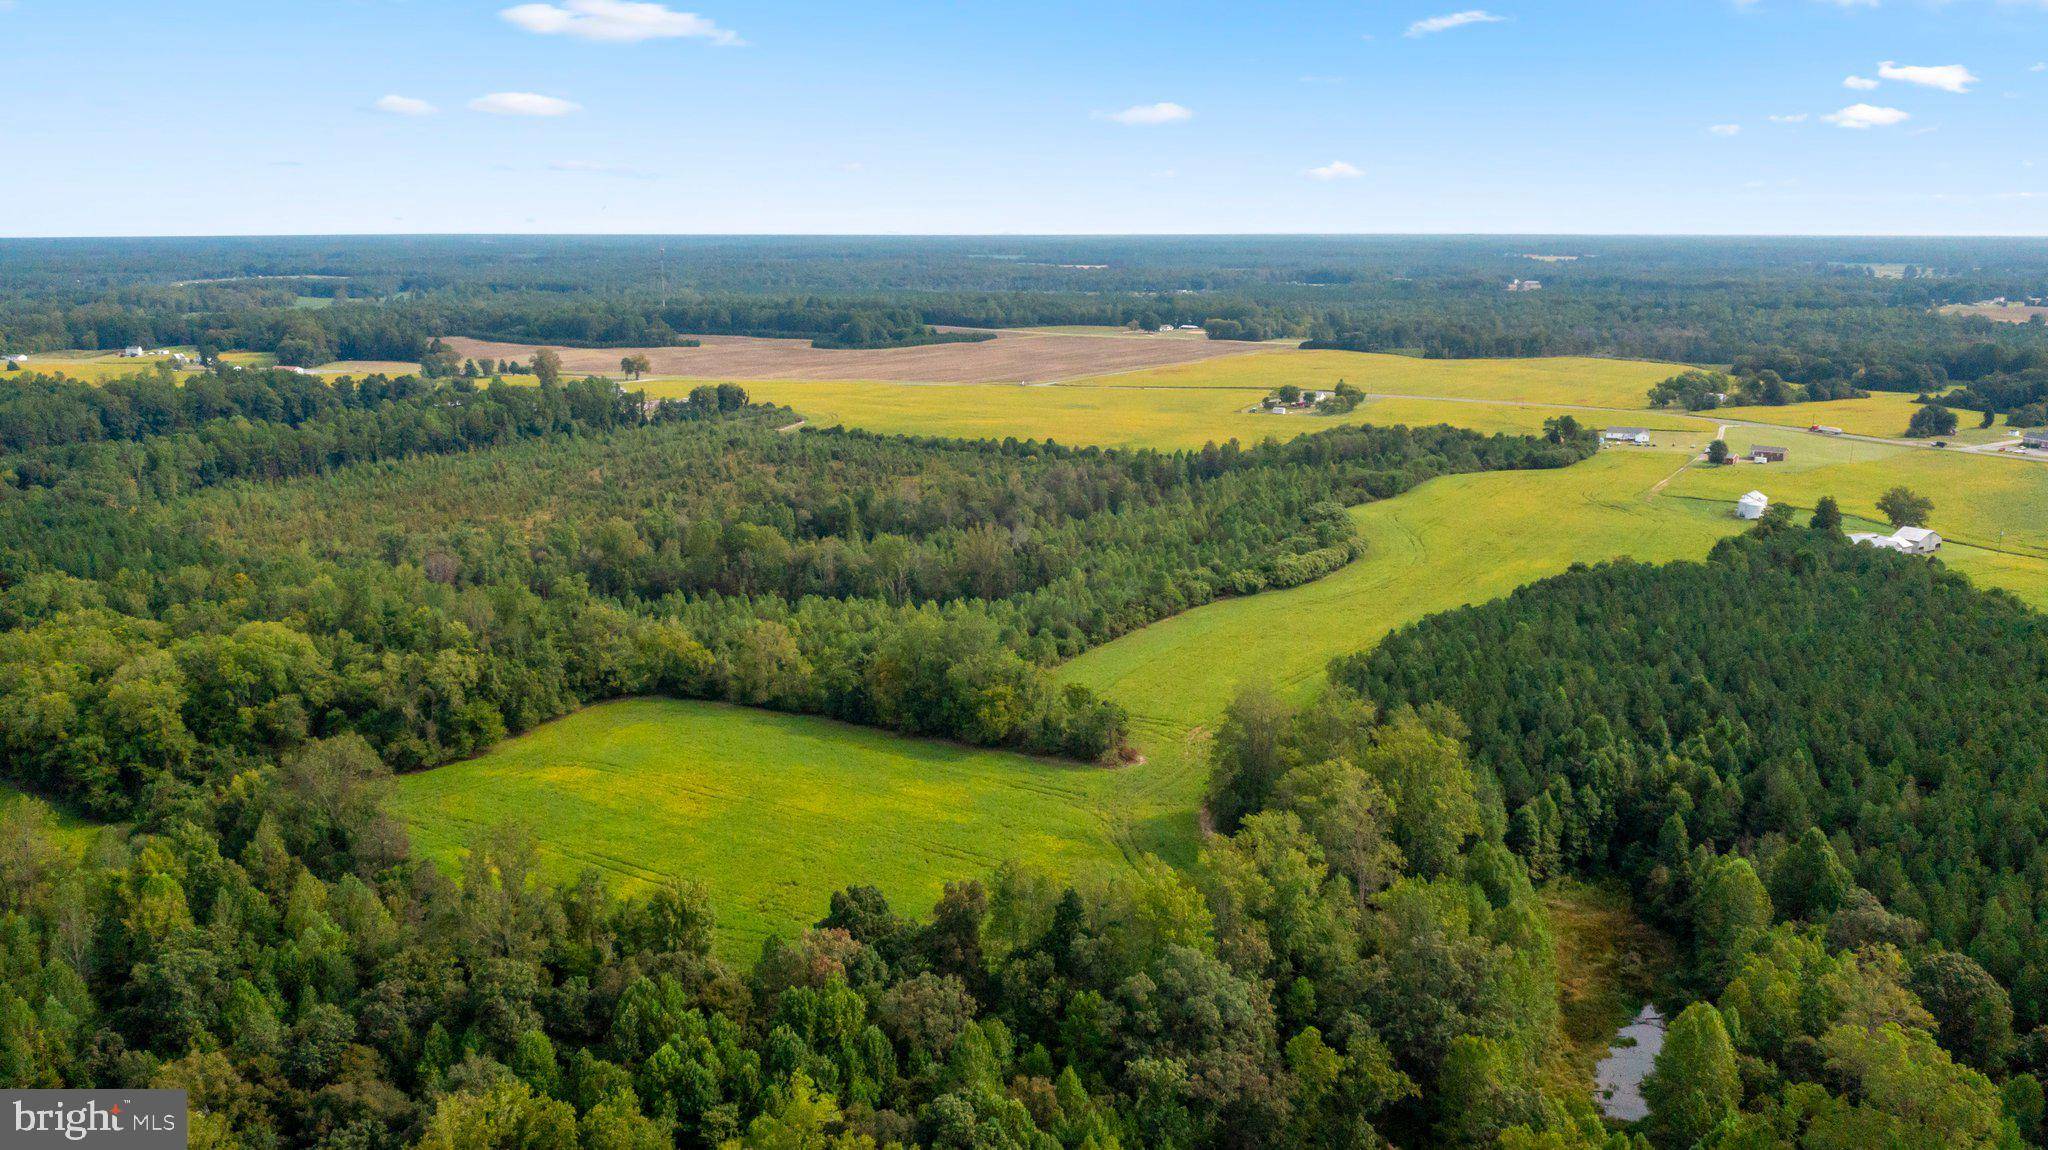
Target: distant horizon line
{"points": [[1021, 235]]}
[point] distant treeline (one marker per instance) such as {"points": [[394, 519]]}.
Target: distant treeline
{"points": [[1812, 311]]}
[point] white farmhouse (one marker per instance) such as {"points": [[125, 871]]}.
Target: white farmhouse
{"points": [[1636, 435], [1752, 506]]}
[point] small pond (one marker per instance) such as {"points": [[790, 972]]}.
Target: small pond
{"points": [[1618, 1080]]}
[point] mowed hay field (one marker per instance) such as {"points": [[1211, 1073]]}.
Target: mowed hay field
{"points": [[1618, 383], [1165, 419], [1881, 413], [1011, 357], [771, 812]]}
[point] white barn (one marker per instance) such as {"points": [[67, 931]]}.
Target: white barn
{"points": [[1752, 506], [1906, 540], [1636, 435]]}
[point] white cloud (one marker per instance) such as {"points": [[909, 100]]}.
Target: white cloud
{"points": [[1725, 129], [1148, 115], [1948, 77], [1860, 83], [1862, 116], [1335, 170], [523, 104], [1453, 20], [2042, 67], [1793, 118], [617, 22], [405, 106]]}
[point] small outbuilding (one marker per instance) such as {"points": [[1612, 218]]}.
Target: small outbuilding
{"points": [[131, 353], [1636, 435], [1752, 506], [1763, 454]]}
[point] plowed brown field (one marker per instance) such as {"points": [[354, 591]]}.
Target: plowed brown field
{"points": [[1011, 357]]}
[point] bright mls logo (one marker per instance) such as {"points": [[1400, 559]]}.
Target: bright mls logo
{"points": [[115, 1119]]}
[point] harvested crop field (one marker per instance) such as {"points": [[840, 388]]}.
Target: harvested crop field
{"points": [[1011, 357], [1997, 312]]}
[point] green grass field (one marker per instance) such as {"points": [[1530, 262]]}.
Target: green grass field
{"points": [[1881, 413], [75, 833], [1162, 418], [1560, 380], [771, 812]]}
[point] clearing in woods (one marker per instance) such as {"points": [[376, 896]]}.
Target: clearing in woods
{"points": [[771, 812], [776, 812], [1011, 357]]}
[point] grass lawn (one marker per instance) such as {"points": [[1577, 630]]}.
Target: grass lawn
{"points": [[1563, 379], [771, 812]]}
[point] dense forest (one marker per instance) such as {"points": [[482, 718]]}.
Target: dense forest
{"points": [[1848, 742]]}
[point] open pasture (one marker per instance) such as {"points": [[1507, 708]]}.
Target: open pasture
{"points": [[1011, 357], [1575, 380], [1983, 500], [1161, 418], [770, 812], [1881, 413]]}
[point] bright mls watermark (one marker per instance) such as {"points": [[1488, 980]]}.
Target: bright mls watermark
{"points": [[113, 1119]]}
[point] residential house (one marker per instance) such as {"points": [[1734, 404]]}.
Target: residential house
{"points": [[1636, 435]]}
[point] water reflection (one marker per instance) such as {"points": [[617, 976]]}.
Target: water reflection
{"points": [[1618, 1080]]}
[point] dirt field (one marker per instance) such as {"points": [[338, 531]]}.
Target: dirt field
{"points": [[1997, 313], [1011, 357]]}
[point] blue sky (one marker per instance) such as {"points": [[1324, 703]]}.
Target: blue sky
{"points": [[124, 117]]}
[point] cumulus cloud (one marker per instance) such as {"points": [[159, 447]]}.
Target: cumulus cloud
{"points": [[1335, 170], [523, 104], [1860, 83], [1725, 129], [1452, 20], [1149, 115], [1864, 116], [2041, 67], [1948, 77], [1792, 118], [405, 106], [617, 22]]}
